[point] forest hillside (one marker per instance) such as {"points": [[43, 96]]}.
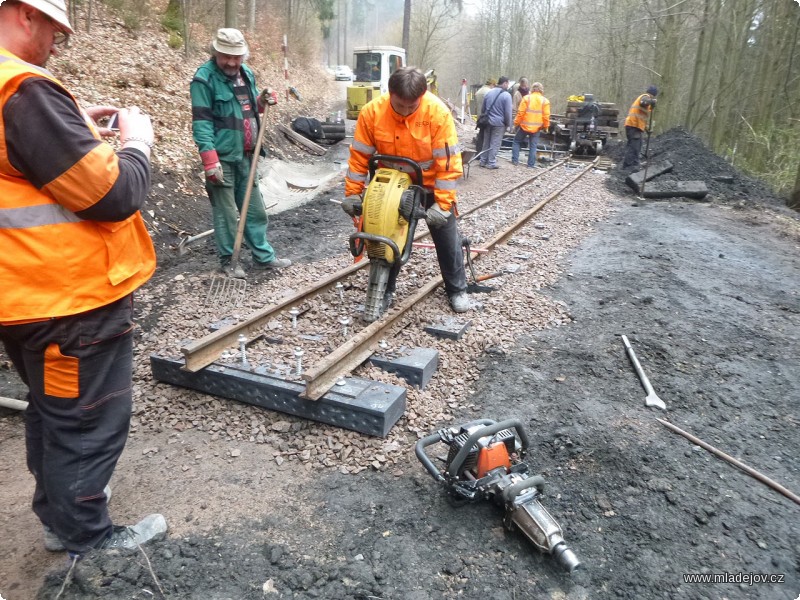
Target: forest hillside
{"points": [[114, 63]]}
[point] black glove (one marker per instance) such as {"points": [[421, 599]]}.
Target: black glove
{"points": [[407, 206], [352, 206], [435, 217]]}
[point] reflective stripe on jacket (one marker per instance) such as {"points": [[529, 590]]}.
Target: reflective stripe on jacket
{"points": [[534, 113], [638, 114], [54, 263], [217, 122], [427, 136]]}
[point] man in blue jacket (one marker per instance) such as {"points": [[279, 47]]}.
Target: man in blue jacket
{"points": [[225, 121], [497, 105]]}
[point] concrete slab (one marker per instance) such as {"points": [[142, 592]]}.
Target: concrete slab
{"points": [[417, 366], [365, 406]]}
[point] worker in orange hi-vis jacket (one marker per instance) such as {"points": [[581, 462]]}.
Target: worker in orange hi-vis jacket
{"points": [[636, 124], [411, 122], [75, 250], [532, 118]]}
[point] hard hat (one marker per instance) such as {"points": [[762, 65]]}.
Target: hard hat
{"points": [[652, 90], [55, 9], [229, 41]]}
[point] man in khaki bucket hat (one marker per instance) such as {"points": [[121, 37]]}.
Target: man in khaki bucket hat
{"points": [[230, 41], [226, 114]]}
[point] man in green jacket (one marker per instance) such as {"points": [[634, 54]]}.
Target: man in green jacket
{"points": [[225, 121]]}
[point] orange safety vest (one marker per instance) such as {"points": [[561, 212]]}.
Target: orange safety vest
{"points": [[53, 263], [427, 136], [533, 113], [638, 114]]}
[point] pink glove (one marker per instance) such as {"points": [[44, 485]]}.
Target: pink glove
{"points": [[212, 167]]}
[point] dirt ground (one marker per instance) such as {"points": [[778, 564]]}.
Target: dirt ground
{"points": [[707, 293]]}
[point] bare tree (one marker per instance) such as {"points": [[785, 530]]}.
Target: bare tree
{"points": [[433, 24]]}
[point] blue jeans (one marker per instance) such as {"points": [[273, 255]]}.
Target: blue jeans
{"points": [[78, 370], [226, 203], [492, 138], [533, 141]]}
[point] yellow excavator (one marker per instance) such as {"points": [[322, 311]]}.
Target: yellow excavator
{"points": [[373, 65]]}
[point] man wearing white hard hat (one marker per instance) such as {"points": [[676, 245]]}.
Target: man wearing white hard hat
{"points": [[75, 250], [226, 113]]}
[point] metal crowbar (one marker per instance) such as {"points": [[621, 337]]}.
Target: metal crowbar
{"points": [[652, 399]]}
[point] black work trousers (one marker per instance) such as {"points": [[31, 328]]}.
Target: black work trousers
{"points": [[78, 370], [633, 148], [447, 241]]}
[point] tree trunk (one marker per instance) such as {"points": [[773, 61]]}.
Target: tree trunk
{"points": [[794, 199], [231, 13], [251, 16], [89, 6], [406, 24], [186, 28], [72, 12], [699, 57]]}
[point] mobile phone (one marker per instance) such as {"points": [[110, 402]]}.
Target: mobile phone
{"points": [[113, 122]]}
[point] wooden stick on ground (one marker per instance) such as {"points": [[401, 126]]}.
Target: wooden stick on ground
{"points": [[752, 472]]}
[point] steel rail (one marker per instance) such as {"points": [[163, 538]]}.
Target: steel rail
{"points": [[320, 378], [201, 353]]}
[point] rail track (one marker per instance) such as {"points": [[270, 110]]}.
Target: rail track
{"points": [[419, 279]]}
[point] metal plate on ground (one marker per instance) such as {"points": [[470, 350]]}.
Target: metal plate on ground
{"points": [[449, 328], [365, 406]]}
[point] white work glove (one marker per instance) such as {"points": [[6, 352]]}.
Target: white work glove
{"points": [[214, 173], [436, 217], [212, 167], [268, 97]]}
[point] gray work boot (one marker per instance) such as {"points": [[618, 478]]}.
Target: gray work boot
{"points": [[460, 302], [151, 528], [275, 263], [234, 271], [52, 542]]}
